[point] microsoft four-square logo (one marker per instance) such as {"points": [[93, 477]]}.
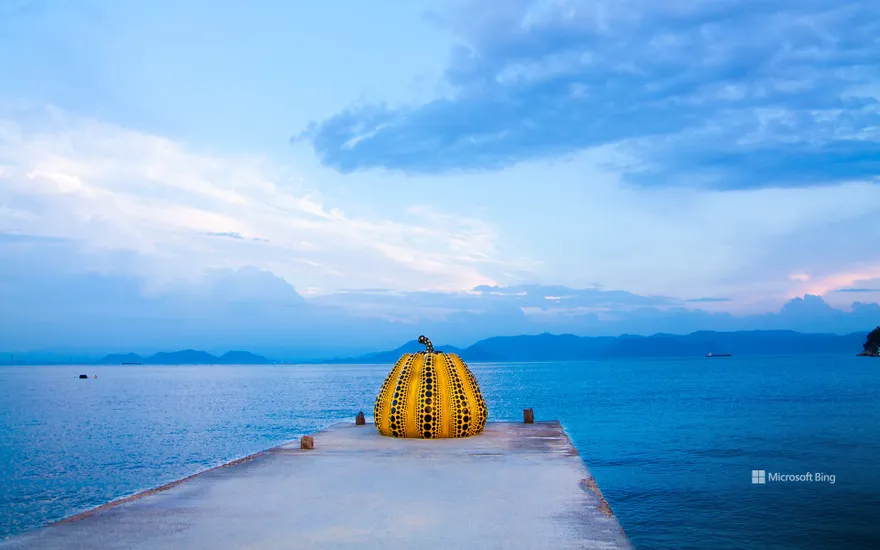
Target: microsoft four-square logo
{"points": [[759, 476]]}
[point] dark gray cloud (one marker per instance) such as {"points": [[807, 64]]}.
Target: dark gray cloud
{"points": [[230, 235], [857, 290], [724, 93]]}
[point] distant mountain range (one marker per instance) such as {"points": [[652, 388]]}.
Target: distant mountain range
{"points": [[567, 347], [187, 357], [549, 347]]}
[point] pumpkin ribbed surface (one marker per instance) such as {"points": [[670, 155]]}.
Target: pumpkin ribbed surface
{"points": [[430, 394]]}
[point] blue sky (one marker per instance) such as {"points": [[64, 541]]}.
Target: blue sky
{"points": [[475, 168]]}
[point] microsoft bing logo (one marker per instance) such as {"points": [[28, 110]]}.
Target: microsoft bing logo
{"points": [[759, 476]]}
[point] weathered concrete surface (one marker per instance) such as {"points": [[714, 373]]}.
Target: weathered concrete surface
{"points": [[513, 486]]}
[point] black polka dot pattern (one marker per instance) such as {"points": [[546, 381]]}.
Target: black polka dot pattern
{"points": [[382, 400], [399, 400]]}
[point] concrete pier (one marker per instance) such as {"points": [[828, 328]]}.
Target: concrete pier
{"points": [[513, 486]]}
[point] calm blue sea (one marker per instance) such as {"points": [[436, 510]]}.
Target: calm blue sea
{"points": [[672, 443]]}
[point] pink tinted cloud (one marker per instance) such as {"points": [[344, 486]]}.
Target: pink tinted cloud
{"points": [[823, 285]]}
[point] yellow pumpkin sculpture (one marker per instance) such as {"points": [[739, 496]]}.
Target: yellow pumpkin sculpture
{"points": [[430, 394]]}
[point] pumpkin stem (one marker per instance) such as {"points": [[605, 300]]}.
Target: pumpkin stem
{"points": [[429, 347]]}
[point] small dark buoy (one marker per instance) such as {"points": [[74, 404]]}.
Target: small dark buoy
{"points": [[359, 420], [528, 416], [83, 376]]}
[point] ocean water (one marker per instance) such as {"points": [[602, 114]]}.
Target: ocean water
{"points": [[672, 443]]}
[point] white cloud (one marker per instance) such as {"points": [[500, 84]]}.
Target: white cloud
{"points": [[116, 189], [580, 218]]}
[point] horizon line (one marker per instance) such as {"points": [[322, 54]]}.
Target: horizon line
{"points": [[218, 355]]}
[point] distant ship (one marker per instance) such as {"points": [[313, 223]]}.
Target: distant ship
{"points": [[131, 363], [710, 354]]}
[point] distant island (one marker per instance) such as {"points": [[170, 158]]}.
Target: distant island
{"points": [[568, 347], [539, 347], [871, 347], [186, 357]]}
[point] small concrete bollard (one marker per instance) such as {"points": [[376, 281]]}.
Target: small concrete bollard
{"points": [[528, 416], [307, 442], [359, 420]]}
